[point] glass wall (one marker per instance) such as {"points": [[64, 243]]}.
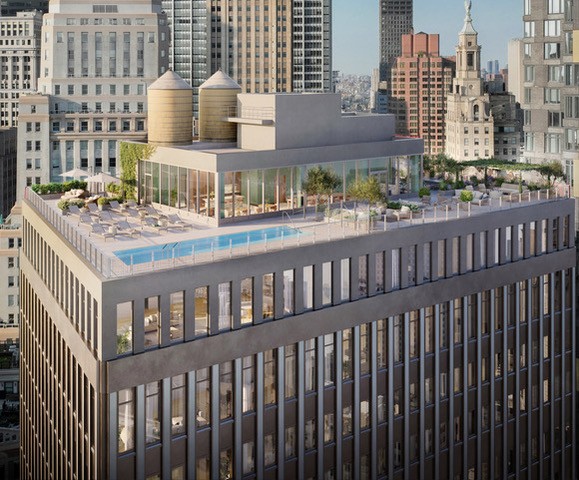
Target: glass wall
{"points": [[255, 192]]}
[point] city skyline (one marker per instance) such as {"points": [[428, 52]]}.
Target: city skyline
{"points": [[356, 39]]}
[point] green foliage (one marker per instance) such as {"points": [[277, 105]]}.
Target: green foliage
{"points": [[466, 196], [107, 200], [423, 191], [443, 185], [552, 171], [51, 188], [367, 190], [393, 205], [321, 181], [130, 154], [499, 181], [64, 204], [458, 184], [474, 180], [114, 188], [123, 342]]}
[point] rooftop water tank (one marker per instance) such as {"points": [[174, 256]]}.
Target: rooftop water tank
{"points": [[170, 110], [217, 101]]}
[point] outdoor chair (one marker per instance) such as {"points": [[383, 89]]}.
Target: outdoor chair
{"points": [[125, 228], [99, 230], [155, 224], [74, 209]]}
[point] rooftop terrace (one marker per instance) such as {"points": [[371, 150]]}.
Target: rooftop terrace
{"points": [[129, 244]]}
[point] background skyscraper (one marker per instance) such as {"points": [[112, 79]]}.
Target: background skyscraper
{"points": [[277, 46], [395, 21], [550, 97]]}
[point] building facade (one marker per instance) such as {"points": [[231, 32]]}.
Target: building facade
{"points": [[442, 350], [515, 59], [396, 17], [550, 97], [479, 124], [97, 61], [10, 243], [420, 82], [10, 8], [19, 61], [7, 170], [277, 46]]}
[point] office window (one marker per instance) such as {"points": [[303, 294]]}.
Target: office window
{"points": [[178, 400], [226, 390], [152, 412], [201, 311], [126, 420], [248, 381], [203, 397], [124, 328], [268, 296], [247, 301], [310, 364], [152, 322]]}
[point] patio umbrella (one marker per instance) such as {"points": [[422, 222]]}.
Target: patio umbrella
{"points": [[102, 179], [75, 173]]}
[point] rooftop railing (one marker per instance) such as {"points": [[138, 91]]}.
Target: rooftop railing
{"points": [[344, 222]]}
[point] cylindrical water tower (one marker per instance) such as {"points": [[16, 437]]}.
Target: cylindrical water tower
{"points": [[170, 111], [218, 100]]}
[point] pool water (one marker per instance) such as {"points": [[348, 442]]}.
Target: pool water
{"points": [[185, 248]]}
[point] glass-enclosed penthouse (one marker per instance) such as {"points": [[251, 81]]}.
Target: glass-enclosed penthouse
{"points": [[265, 170]]}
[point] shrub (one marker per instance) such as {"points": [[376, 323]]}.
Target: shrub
{"points": [[114, 188], [474, 180], [50, 188], [466, 196], [442, 185], [62, 205], [458, 184], [423, 191], [499, 181], [103, 201]]}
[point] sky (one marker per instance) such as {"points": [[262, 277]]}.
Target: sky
{"points": [[355, 29]]}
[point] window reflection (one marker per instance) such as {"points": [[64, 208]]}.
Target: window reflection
{"points": [[152, 414], [152, 322], [124, 328], [126, 420], [177, 315]]}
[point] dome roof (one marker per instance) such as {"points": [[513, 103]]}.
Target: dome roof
{"points": [[169, 81], [220, 80]]}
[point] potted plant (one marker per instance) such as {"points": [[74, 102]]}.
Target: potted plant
{"points": [[101, 202]]}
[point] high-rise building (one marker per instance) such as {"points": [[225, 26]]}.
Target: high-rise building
{"points": [[278, 46], [19, 61], [10, 243], [7, 170], [96, 64], [10, 8], [479, 124], [420, 82], [396, 17], [550, 97], [300, 349], [515, 55]]}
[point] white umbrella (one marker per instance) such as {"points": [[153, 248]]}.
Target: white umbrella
{"points": [[102, 179], [75, 173]]}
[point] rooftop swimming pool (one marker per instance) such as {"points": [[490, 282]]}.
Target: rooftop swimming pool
{"points": [[186, 248]]}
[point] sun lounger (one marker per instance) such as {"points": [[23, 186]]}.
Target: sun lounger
{"points": [[155, 224], [74, 210], [99, 230], [125, 228]]}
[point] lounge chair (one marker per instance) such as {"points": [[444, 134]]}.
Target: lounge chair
{"points": [[98, 229], [74, 210], [115, 205], [93, 209], [151, 211], [106, 217], [155, 224], [86, 219], [125, 228], [176, 221]]}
